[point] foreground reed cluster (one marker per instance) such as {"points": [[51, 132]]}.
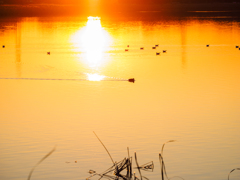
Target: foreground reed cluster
{"points": [[115, 172], [122, 170], [117, 169]]}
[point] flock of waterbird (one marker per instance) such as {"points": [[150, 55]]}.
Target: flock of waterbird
{"points": [[127, 49], [141, 48], [154, 47], [164, 51]]}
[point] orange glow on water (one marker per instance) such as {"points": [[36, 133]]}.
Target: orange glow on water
{"points": [[188, 94]]}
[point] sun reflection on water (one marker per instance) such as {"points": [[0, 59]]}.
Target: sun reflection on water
{"points": [[92, 41], [94, 77]]}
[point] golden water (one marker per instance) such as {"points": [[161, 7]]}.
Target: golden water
{"points": [[190, 94]]}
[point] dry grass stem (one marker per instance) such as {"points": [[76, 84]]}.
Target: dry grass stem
{"points": [[104, 147], [232, 171], [46, 156]]}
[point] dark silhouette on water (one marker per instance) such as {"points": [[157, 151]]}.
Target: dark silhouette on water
{"points": [[131, 80], [116, 170], [232, 171], [45, 157]]}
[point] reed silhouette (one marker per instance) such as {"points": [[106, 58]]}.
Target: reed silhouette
{"points": [[115, 172], [45, 157], [232, 171]]}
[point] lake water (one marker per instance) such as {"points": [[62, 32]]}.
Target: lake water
{"points": [[190, 94]]}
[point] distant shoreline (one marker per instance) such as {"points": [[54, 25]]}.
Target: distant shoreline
{"points": [[121, 10]]}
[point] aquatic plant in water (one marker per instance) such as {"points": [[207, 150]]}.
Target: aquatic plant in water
{"points": [[115, 172], [45, 157], [232, 171]]}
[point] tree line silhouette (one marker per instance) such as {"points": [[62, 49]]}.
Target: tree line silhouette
{"points": [[115, 1]]}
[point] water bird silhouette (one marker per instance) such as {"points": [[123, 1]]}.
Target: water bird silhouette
{"points": [[131, 80], [153, 47], [237, 46], [126, 49], [48, 53], [157, 53], [3, 46], [156, 45], [164, 51], [207, 45], [141, 48]]}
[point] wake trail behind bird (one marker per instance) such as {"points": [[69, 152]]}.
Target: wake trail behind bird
{"points": [[62, 79]]}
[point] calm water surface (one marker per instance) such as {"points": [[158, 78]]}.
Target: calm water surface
{"points": [[190, 94]]}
